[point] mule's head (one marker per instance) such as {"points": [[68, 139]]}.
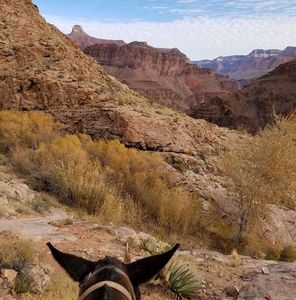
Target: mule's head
{"points": [[108, 275]]}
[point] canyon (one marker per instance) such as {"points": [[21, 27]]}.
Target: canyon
{"points": [[138, 94], [244, 68], [167, 76]]}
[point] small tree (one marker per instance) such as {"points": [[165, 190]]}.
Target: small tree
{"points": [[262, 171]]}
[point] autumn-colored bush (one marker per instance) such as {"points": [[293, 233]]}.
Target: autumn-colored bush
{"points": [[262, 171], [63, 168], [142, 177], [106, 179], [18, 129]]}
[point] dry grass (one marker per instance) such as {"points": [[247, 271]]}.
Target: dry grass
{"points": [[106, 179], [15, 251], [234, 259], [62, 288]]}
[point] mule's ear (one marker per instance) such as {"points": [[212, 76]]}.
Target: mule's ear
{"points": [[144, 269], [77, 267]]}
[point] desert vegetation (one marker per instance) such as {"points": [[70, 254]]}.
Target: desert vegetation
{"points": [[126, 186], [262, 172], [19, 254], [105, 179]]}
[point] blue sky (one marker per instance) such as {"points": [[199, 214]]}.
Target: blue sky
{"points": [[199, 28]]}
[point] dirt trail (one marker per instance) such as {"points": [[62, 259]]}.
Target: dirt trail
{"points": [[39, 228], [214, 269]]}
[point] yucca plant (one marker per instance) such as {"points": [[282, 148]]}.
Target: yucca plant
{"points": [[182, 282]]}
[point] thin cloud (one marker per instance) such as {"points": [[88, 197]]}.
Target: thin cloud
{"points": [[199, 38], [228, 7]]}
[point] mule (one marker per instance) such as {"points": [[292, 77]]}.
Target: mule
{"points": [[109, 278]]}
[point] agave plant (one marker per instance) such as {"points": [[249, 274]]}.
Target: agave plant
{"points": [[182, 282]]}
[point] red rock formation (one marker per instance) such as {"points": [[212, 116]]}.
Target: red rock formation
{"points": [[165, 76], [258, 102], [84, 40], [275, 92]]}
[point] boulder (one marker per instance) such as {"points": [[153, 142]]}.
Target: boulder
{"points": [[8, 274]]}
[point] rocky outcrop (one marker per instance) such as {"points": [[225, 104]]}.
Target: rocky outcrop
{"points": [[246, 67], [256, 105], [84, 40], [272, 94], [166, 76], [15, 195]]}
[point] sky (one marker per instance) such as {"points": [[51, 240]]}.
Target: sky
{"points": [[202, 29]]}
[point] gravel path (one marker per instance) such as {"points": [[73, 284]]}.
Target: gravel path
{"points": [[39, 228]]}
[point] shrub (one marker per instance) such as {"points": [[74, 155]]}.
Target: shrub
{"points": [[142, 177], [273, 253], [62, 288], [234, 259], [221, 235], [24, 129], [262, 170], [15, 251], [106, 179], [23, 283], [182, 282], [41, 203], [63, 167], [288, 254]]}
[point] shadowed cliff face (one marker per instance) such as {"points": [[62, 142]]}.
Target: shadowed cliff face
{"points": [[259, 102], [274, 93]]}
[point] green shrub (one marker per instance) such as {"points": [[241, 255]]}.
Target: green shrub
{"points": [[182, 282], [273, 253], [41, 203], [23, 283]]}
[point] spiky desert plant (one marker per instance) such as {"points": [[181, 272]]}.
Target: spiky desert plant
{"points": [[182, 282]]}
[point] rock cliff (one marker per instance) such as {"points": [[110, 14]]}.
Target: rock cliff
{"points": [[273, 93], [255, 105], [167, 77]]}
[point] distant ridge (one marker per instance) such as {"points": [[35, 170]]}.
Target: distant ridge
{"points": [[247, 67]]}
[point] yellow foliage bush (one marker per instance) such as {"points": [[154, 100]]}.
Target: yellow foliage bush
{"points": [[24, 129], [118, 184], [262, 170]]}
